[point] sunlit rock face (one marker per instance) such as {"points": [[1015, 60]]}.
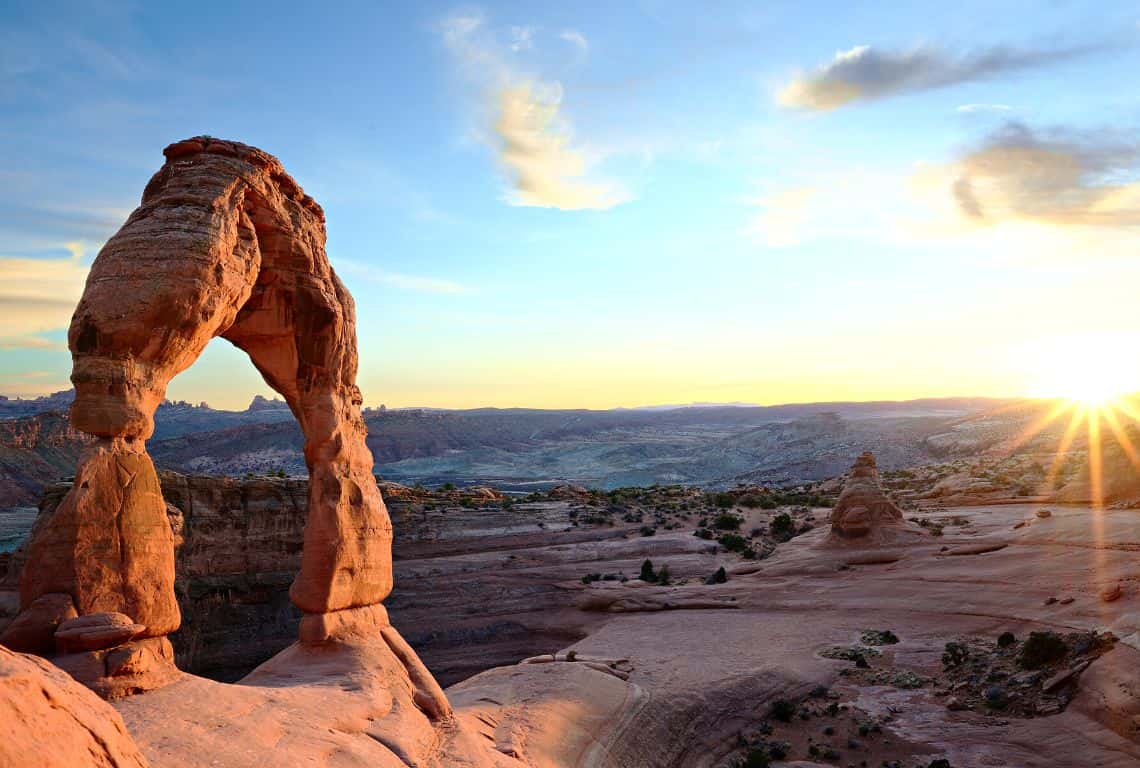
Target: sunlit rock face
{"points": [[47, 719], [224, 243], [863, 511]]}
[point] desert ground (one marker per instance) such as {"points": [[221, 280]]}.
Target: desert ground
{"points": [[783, 658]]}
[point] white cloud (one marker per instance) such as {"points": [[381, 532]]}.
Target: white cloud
{"points": [[548, 166], [38, 295], [575, 38], [970, 108], [522, 39], [781, 221], [548, 172]]}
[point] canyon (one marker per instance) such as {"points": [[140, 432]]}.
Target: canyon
{"points": [[937, 583]]}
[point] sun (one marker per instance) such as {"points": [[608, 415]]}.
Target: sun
{"points": [[1090, 370]]}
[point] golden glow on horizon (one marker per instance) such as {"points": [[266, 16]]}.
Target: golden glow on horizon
{"points": [[1094, 370]]}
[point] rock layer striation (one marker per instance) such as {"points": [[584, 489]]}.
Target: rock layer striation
{"points": [[863, 512]]}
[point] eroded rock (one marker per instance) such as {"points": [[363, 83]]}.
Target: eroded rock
{"points": [[225, 243], [863, 512], [47, 719]]}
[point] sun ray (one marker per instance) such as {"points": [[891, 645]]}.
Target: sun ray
{"points": [[1039, 425], [1121, 436], [1063, 446]]}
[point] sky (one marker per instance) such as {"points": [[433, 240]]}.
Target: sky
{"points": [[618, 203]]}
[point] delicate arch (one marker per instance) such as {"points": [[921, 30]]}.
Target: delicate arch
{"points": [[224, 243]]}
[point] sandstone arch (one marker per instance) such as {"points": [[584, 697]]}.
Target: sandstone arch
{"points": [[224, 243]]}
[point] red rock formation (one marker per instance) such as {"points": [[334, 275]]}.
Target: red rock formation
{"points": [[226, 244], [863, 511], [47, 720]]}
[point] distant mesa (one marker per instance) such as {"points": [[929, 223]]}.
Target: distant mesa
{"points": [[260, 403]]}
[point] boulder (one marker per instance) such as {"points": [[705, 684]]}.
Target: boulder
{"points": [[33, 630], [96, 632], [48, 720]]}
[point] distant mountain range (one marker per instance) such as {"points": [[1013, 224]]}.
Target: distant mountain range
{"points": [[710, 445]]}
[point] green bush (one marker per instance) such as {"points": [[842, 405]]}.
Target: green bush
{"points": [[782, 710], [724, 500], [733, 542], [782, 525], [1006, 639], [647, 572], [727, 522], [1041, 649], [719, 577]]}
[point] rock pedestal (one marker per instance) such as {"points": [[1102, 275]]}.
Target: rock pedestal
{"points": [[863, 512]]}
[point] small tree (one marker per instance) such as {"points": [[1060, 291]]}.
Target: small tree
{"points": [[663, 576], [647, 572], [719, 577]]}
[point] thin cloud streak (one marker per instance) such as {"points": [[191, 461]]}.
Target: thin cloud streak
{"points": [[399, 280], [864, 73]]}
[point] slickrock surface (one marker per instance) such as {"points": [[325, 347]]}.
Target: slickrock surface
{"points": [[682, 687], [48, 720]]}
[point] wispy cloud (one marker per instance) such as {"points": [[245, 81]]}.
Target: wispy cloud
{"points": [[864, 73], [37, 296], [782, 217], [399, 280], [575, 38], [971, 108], [548, 172], [1058, 177], [549, 167]]}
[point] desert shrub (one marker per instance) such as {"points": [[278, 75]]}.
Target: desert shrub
{"points": [[782, 525], [447, 487], [756, 757], [954, 654], [782, 710], [703, 533], [1006, 639], [591, 577], [663, 577], [647, 530], [647, 572], [1041, 649], [733, 542], [751, 501], [879, 637], [727, 522], [724, 500], [719, 577]]}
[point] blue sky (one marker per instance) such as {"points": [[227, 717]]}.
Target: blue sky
{"points": [[605, 204]]}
